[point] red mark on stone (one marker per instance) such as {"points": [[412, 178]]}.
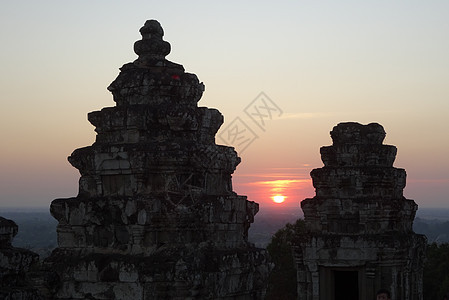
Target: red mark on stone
{"points": [[175, 77]]}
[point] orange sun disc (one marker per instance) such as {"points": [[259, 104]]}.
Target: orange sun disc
{"points": [[278, 199]]}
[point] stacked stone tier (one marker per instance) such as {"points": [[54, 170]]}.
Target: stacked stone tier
{"points": [[133, 169], [355, 133], [164, 123], [358, 216], [201, 272], [141, 225], [155, 85], [361, 155], [354, 182], [363, 250]]}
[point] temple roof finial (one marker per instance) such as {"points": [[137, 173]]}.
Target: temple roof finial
{"points": [[152, 49]]}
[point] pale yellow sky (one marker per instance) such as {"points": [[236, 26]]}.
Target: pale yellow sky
{"points": [[321, 62]]}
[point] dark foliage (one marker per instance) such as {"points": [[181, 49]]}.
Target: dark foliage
{"points": [[282, 280], [436, 271]]}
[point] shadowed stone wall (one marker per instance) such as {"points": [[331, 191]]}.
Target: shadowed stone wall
{"points": [[360, 236], [15, 266], [156, 217]]}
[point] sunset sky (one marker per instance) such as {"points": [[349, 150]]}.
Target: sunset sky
{"points": [[318, 62]]}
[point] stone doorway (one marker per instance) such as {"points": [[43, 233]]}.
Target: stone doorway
{"points": [[346, 285], [341, 284]]}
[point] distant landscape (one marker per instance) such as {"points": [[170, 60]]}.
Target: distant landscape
{"points": [[37, 228], [432, 222]]}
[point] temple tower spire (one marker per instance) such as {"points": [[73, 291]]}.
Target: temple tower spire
{"points": [[360, 236], [156, 216]]}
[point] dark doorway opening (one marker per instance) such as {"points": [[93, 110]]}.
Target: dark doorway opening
{"points": [[346, 285]]}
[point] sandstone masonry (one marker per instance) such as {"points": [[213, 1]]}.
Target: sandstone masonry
{"points": [[156, 217], [15, 266], [360, 236]]}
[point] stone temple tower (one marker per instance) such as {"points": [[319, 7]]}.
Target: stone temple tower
{"points": [[360, 236], [156, 217]]}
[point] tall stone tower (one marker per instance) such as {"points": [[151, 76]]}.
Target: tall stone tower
{"points": [[360, 236], [156, 217]]}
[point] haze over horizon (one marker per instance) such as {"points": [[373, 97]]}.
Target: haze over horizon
{"points": [[319, 63]]}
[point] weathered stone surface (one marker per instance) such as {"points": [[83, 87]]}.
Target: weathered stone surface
{"points": [[359, 223], [15, 264], [8, 230], [156, 216]]}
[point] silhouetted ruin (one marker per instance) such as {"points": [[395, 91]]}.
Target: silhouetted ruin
{"points": [[156, 217], [15, 266], [360, 236]]}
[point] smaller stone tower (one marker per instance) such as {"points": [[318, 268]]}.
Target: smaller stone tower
{"points": [[360, 236]]}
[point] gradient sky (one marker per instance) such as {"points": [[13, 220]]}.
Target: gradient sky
{"points": [[321, 62]]}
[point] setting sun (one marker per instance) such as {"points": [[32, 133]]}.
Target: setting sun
{"points": [[278, 199]]}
